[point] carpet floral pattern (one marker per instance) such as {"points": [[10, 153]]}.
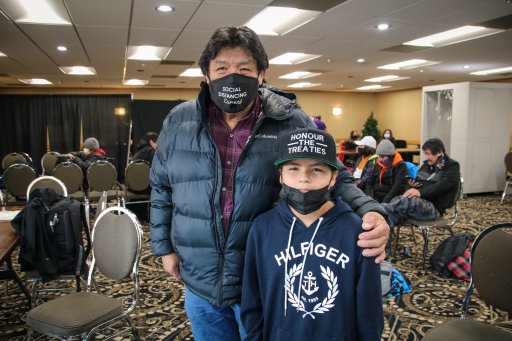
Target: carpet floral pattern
{"points": [[434, 299]]}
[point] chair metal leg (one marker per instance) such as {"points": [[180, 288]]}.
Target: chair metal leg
{"points": [[425, 232], [414, 236], [397, 239], [135, 332], [504, 193]]}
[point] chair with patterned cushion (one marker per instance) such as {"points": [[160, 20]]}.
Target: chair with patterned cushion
{"points": [[47, 182], [17, 178], [116, 248], [491, 276], [49, 161], [72, 176]]}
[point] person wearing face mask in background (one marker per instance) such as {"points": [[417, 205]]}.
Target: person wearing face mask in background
{"points": [[430, 193], [341, 297], [388, 178], [350, 145], [363, 168], [388, 135], [91, 153], [213, 173]]}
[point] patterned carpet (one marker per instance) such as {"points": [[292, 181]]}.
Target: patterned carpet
{"points": [[160, 315]]}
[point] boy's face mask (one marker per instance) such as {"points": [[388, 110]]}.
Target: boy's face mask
{"points": [[234, 92], [87, 151], [308, 202]]}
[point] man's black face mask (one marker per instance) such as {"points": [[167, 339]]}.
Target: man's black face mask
{"points": [[233, 93]]}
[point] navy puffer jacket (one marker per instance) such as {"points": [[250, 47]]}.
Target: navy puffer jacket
{"points": [[186, 180]]}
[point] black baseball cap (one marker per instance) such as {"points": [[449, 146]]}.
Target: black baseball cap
{"points": [[308, 143]]}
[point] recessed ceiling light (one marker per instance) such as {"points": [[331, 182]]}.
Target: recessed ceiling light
{"points": [[273, 20], [2, 54], [382, 27], [292, 58], [192, 72], [373, 87], [135, 82], [62, 48], [492, 71], [36, 81], [454, 36], [299, 75], [303, 85], [466, 66], [164, 8], [408, 64], [147, 52], [78, 70], [388, 78], [361, 60]]}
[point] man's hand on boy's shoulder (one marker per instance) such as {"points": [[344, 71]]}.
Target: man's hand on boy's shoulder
{"points": [[376, 236]]}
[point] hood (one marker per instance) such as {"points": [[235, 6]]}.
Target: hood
{"points": [[98, 151], [396, 159]]}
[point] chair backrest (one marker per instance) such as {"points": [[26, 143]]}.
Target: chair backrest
{"points": [[137, 175], [17, 178], [101, 205], [457, 194], [70, 174], [116, 240], [508, 162], [13, 158], [47, 182], [49, 161], [101, 176], [490, 267]]}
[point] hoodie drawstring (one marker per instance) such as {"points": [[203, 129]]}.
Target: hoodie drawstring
{"points": [[303, 259], [286, 263]]}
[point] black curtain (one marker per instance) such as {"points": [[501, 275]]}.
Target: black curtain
{"points": [[63, 121], [148, 115], [23, 122], [100, 121]]}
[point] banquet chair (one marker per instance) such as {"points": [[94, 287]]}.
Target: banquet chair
{"points": [[491, 276], [508, 176], [48, 162], [13, 158], [102, 176], [72, 176], [116, 248], [445, 222], [17, 178], [136, 187], [47, 181]]}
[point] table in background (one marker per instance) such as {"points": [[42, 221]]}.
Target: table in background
{"points": [[8, 243]]}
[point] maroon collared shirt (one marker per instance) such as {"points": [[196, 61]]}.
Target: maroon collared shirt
{"points": [[230, 143]]}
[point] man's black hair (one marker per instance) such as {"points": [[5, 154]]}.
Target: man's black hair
{"points": [[231, 36], [151, 136], [435, 145]]}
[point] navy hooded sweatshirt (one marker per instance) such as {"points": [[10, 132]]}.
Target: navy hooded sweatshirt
{"points": [[324, 290]]}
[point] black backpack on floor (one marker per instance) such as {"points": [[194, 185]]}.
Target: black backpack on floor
{"points": [[50, 227]]}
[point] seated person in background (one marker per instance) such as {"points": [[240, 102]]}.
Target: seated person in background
{"points": [[146, 147], [432, 191], [292, 289], [319, 123], [349, 160], [389, 177], [91, 153], [363, 168], [388, 135]]}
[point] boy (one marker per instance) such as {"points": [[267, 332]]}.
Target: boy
{"points": [[304, 276]]}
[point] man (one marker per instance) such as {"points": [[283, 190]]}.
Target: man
{"points": [[432, 191], [388, 178], [213, 173], [91, 153], [363, 168], [146, 147]]}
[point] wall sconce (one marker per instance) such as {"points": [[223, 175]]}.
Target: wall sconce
{"points": [[120, 111], [337, 111]]}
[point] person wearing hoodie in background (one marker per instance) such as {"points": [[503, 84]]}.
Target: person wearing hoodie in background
{"points": [[91, 153], [389, 177], [146, 148], [304, 275]]}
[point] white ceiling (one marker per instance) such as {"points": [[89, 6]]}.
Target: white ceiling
{"points": [[102, 29]]}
